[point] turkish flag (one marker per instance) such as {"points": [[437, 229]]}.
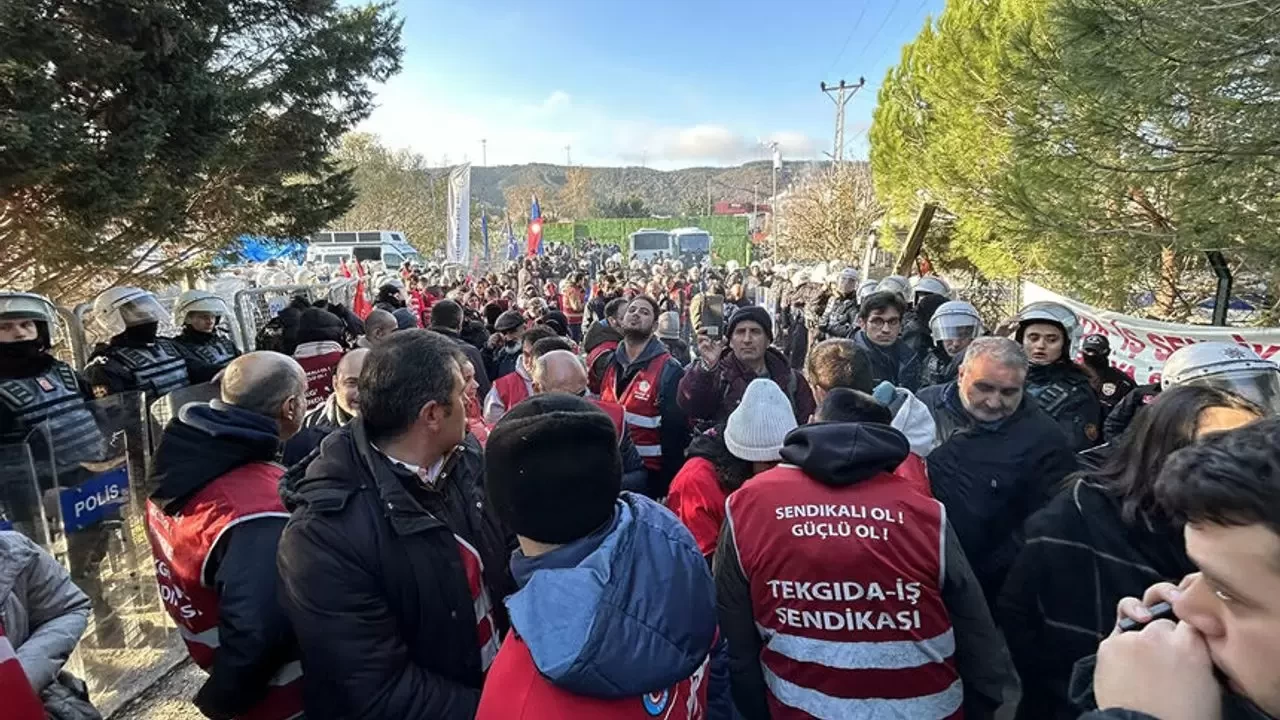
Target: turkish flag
{"points": [[535, 236]]}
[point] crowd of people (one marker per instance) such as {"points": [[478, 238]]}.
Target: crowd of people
{"points": [[583, 488]]}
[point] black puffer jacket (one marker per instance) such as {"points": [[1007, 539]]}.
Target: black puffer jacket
{"points": [[993, 476], [371, 575]]}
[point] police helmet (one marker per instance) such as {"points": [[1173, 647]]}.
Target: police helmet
{"points": [[30, 306], [867, 287], [125, 307], [931, 284], [1096, 345], [198, 301], [894, 284], [1237, 369], [955, 320], [1052, 313], [731, 266]]}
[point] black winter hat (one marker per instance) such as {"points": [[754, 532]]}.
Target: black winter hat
{"points": [[755, 314], [315, 325], [405, 319], [552, 468], [508, 321]]}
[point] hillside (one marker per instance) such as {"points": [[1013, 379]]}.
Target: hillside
{"points": [[665, 192]]}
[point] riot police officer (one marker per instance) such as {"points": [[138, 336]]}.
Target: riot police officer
{"points": [[204, 349], [896, 284], [1047, 332], [867, 287], [841, 317], [954, 325], [1109, 383], [37, 389], [45, 413], [135, 358]]}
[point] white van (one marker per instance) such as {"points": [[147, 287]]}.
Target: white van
{"points": [[387, 246]]}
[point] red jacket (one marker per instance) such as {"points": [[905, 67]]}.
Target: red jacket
{"points": [[697, 499], [524, 694], [21, 701]]}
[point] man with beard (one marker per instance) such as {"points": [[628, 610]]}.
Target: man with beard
{"points": [[206, 352], [644, 379]]}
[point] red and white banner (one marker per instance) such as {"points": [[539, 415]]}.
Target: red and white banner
{"points": [[1139, 347]]}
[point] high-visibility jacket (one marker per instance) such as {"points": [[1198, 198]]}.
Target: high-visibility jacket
{"points": [[615, 413], [846, 588], [643, 407], [181, 545]]}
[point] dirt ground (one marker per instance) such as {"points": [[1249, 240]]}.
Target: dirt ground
{"points": [[168, 699]]}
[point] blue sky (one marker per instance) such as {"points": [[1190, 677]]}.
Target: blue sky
{"points": [[664, 83]]}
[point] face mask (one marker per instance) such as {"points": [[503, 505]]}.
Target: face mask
{"points": [[142, 334], [23, 350]]}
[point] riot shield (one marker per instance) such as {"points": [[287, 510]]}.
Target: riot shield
{"points": [[88, 476], [166, 407]]}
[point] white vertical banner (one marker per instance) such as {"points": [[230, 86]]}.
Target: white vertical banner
{"points": [[458, 243]]}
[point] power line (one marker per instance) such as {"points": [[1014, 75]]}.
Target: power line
{"points": [[876, 34], [844, 92], [847, 38], [905, 25]]}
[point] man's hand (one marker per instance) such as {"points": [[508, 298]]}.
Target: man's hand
{"points": [[1164, 670], [495, 341], [1138, 610], [709, 349]]}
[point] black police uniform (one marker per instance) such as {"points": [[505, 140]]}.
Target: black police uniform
{"points": [[156, 368], [841, 317], [1112, 385], [205, 353], [1063, 391]]}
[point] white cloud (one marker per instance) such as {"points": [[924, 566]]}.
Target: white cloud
{"points": [[556, 101]]}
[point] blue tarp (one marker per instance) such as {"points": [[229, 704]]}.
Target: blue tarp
{"points": [[251, 248]]}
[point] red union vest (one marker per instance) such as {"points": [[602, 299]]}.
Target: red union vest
{"points": [[593, 380], [181, 545], [320, 370], [573, 316], [511, 389], [642, 406], [615, 413], [846, 587]]}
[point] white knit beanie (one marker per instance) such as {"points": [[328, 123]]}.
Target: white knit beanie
{"points": [[761, 421]]}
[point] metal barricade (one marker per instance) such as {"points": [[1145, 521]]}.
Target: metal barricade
{"points": [[256, 307], [83, 500]]}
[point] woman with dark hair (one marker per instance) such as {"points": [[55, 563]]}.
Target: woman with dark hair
{"points": [[1102, 539]]}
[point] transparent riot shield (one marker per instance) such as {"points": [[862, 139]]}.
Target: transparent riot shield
{"points": [[88, 472], [163, 409]]}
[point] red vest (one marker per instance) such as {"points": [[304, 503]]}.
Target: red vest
{"points": [[599, 351], [486, 627], [643, 407], [320, 370], [181, 545], [515, 689], [916, 473], [511, 389], [846, 588], [20, 699], [615, 413]]}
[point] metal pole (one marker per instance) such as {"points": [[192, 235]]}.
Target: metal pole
{"points": [[484, 153]]}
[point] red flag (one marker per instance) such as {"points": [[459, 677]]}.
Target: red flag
{"points": [[534, 236], [342, 268]]}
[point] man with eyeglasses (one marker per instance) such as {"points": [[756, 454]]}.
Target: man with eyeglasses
{"points": [[561, 371], [880, 321]]}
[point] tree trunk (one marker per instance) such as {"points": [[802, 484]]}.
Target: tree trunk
{"points": [[1167, 289]]}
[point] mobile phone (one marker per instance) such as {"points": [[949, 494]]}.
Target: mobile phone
{"points": [[713, 315], [1159, 611]]}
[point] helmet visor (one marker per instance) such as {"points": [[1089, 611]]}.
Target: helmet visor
{"points": [[139, 311], [1258, 385], [955, 327]]}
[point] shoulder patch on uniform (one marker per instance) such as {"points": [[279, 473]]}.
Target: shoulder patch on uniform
{"points": [[1091, 432], [101, 391], [655, 703]]}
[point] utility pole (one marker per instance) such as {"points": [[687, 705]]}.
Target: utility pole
{"points": [[755, 207], [484, 153], [568, 159], [844, 92]]}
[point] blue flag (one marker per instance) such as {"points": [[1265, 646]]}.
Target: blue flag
{"points": [[484, 231]]}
